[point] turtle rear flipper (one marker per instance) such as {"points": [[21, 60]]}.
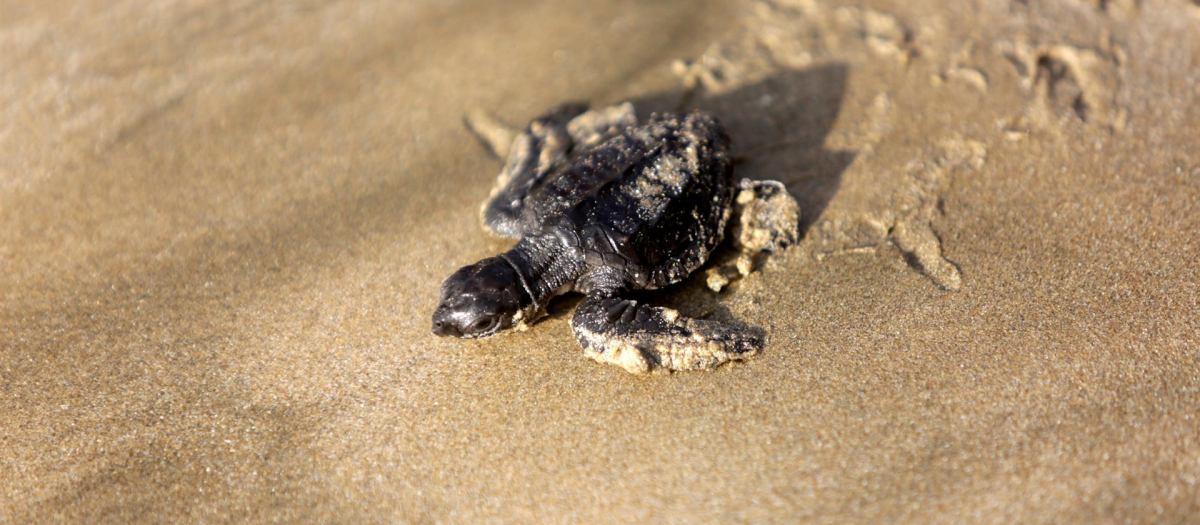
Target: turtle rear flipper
{"points": [[766, 219], [639, 337]]}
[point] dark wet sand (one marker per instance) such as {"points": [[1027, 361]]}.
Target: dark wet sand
{"points": [[225, 223]]}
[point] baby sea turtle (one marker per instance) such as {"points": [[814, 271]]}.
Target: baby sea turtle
{"points": [[605, 206]]}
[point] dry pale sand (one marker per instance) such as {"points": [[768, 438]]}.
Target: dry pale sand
{"points": [[225, 224]]}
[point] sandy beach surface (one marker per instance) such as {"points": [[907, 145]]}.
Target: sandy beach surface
{"points": [[225, 222]]}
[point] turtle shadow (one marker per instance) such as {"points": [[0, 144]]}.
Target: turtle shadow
{"points": [[563, 306], [778, 126]]}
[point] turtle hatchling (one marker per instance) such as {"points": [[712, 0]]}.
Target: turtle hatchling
{"points": [[604, 205]]}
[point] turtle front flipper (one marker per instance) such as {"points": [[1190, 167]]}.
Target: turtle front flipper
{"points": [[532, 154], [766, 219], [640, 338]]}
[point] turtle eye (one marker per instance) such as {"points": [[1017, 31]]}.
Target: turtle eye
{"points": [[483, 324]]}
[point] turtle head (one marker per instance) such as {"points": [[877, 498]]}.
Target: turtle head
{"points": [[480, 300]]}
